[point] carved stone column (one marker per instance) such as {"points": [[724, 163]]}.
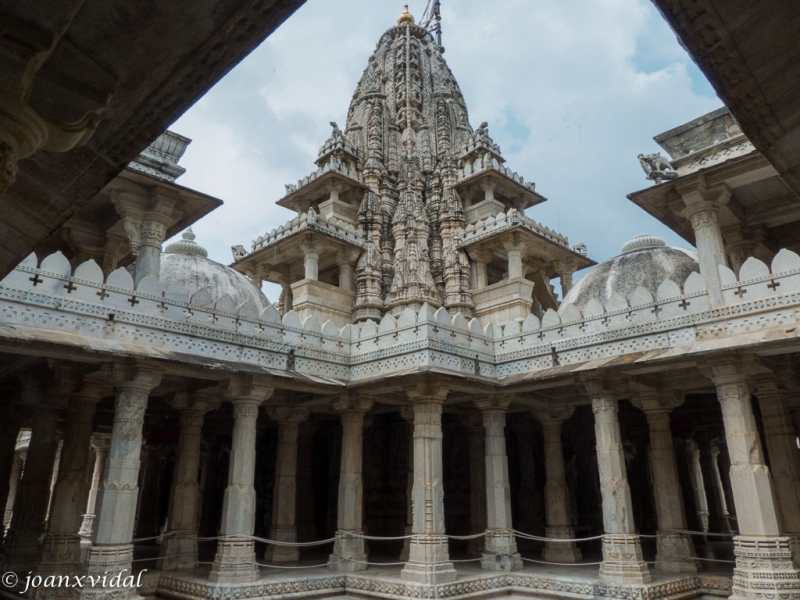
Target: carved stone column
{"points": [[100, 442], [709, 455], [145, 222], [556, 491], [16, 473], [179, 549], [477, 479], [112, 550], [500, 552], [764, 563], [698, 483], [235, 561], [782, 451], [622, 551], [284, 503], [21, 545], [349, 552], [702, 209], [311, 253], [61, 551], [675, 551], [11, 417], [429, 559]]}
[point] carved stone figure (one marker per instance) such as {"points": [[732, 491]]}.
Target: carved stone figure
{"points": [[656, 167], [238, 252]]}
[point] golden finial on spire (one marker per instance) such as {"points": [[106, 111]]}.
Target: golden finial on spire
{"points": [[406, 18]]}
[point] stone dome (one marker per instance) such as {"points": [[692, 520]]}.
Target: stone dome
{"points": [[185, 262], [645, 261]]}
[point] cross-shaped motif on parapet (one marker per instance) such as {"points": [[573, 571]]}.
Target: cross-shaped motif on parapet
{"points": [[605, 320], [773, 285], [740, 291], [656, 310], [213, 318], [70, 287], [103, 294], [260, 328], [582, 326], [189, 314], [162, 306], [683, 304], [133, 301], [36, 279]]}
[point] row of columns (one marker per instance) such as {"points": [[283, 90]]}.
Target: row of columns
{"points": [[766, 511]]}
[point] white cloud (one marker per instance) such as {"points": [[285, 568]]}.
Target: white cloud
{"points": [[572, 90]]}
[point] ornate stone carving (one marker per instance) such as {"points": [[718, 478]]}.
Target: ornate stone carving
{"points": [[8, 167]]}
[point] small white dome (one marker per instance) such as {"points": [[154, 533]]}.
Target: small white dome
{"points": [[186, 262], [645, 261]]}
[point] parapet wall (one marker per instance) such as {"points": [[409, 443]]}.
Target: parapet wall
{"points": [[51, 299]]}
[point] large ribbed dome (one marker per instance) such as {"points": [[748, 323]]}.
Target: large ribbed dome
{"points": [[185, 262], [645, 261]]}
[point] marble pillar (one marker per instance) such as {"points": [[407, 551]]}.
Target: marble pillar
{"points": [[100, 443], [622, 552], [349, 553], [13, 484], [112, 548], [556, 490], [235, 561], [476, 436], [429, 558], [764, 563], [11, 418], [702, 209], [674, 551], [715, 492], [61, 546], [500, 550], [783, 454], [179, 548], [692, 449], [284, 503], [21, 545]]}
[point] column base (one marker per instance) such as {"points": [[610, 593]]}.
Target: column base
{"points": [[622, 560], [675, 554], [61, 555], [429, 560], [178, 552], [501, 552], [561, 552], [87, 527], [111, 565], [282, 553], [349, 554], [764, 568], [235, 562]]}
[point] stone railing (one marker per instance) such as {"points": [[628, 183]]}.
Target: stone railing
{"points": [[51, 302], [488, 163], [309, 221], [503, 221], [335, 166]]}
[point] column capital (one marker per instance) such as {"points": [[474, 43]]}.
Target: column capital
{"points": [[348, 402], [428, 390], [100, 441], [728, 370], [656, 402], [553, 414], [494, 403], [198, 401], [288, 414], [140, 376], [248, 388]]}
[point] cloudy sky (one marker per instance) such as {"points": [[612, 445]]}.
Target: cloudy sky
{"points": [[572, 90]]}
